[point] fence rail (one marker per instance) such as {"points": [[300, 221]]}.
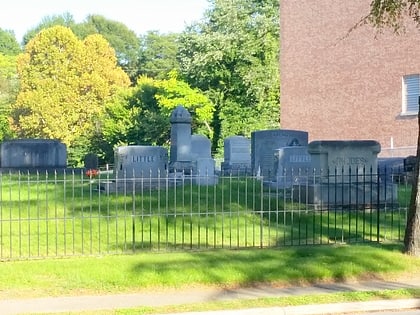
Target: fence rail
{"points": [[65, 213]]}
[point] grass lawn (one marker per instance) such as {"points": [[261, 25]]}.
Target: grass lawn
{"points": [[178, 238], [50, 215], [218, 268]]}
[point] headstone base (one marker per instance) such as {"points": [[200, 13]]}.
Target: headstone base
{"points": [[340, 195], [236, 169]]}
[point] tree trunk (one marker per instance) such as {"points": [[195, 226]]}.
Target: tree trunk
{"points": [[412, 230]]}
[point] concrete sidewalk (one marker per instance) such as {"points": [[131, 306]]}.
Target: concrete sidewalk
{"points": [[177, 297]]}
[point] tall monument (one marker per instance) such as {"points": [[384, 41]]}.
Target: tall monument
{"points": [[180, 151]]}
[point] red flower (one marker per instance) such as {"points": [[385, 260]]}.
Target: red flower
{"points": [[92, 173]]}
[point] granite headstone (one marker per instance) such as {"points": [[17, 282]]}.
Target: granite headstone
{"points": [[265, 142], [237, 156], [33, 154]]}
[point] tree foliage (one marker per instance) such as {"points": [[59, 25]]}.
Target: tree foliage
{"points": [[123, 40], [8, 91], [141, 114], [8, 43], [65, 19], [64, 84], [120, 37], [233, 56], [158, 55], [393, 13]]}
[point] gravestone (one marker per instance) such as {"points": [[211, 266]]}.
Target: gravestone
{"points": [[33, 154], [139, 161], [203, 164], [200, 147], [190, 155], [292, 165], [346, 176], [180, 150], [263, 146], [204, 173], [91, 161], [237, 156], [341, 159]]}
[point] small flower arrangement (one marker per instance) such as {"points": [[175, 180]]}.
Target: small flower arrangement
{"points": [[91, 173]]}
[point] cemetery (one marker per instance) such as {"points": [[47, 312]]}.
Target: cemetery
{"points": [[337, 173], [274, 189]]}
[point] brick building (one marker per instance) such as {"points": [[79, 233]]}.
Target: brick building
{"points": [[348, 86]]}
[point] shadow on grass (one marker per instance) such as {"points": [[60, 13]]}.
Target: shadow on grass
{"points": [[291, 266]]}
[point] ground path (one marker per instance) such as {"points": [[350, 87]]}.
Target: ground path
{"points": [[177, 297]]}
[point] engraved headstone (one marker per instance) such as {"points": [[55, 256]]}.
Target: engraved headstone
{"points": [[292, 165], [341, 159], [346, 175], [265, 142], [140, 161], [237, 156], [33, 154]]}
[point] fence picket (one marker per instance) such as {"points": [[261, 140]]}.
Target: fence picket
{"points": [[65, 213]]}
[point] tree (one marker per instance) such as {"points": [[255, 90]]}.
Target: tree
{"points": [[65, 19], [392, 13], [8, 43], [141, 114], [233, 57], [8, 91], [64, 84], [123, 40], [158, 55]]}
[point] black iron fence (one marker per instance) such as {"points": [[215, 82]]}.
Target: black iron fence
{"points": [[66, 213]]}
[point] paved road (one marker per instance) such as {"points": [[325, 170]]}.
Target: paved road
{"points": [[176, 297]]}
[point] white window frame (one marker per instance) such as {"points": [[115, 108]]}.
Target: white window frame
{"points": [[410, 94]]}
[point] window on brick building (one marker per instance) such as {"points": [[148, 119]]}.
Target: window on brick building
{"points": [[410, 94]]}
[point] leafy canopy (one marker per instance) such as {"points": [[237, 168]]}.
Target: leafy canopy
{"points": [[158, 55], [233, 57], [123, 40], [8, 43], [8, 91], [64, 85], [140, 115]]}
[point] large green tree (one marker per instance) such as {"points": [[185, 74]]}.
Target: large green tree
{"points": [[233, 56], [124, 41], [64, 83], [8, 43], [65, 19], [393, 13], [8, 91], [9, 49], [158, 54], [141, 114]]}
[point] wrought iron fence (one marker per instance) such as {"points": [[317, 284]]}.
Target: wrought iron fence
{"points": [[66, 213]]}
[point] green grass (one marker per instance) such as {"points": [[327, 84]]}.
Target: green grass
{"points": [[50, 215], [219, 268]]}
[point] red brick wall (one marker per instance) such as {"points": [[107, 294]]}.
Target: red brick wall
{"points": [[344, 87]]}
